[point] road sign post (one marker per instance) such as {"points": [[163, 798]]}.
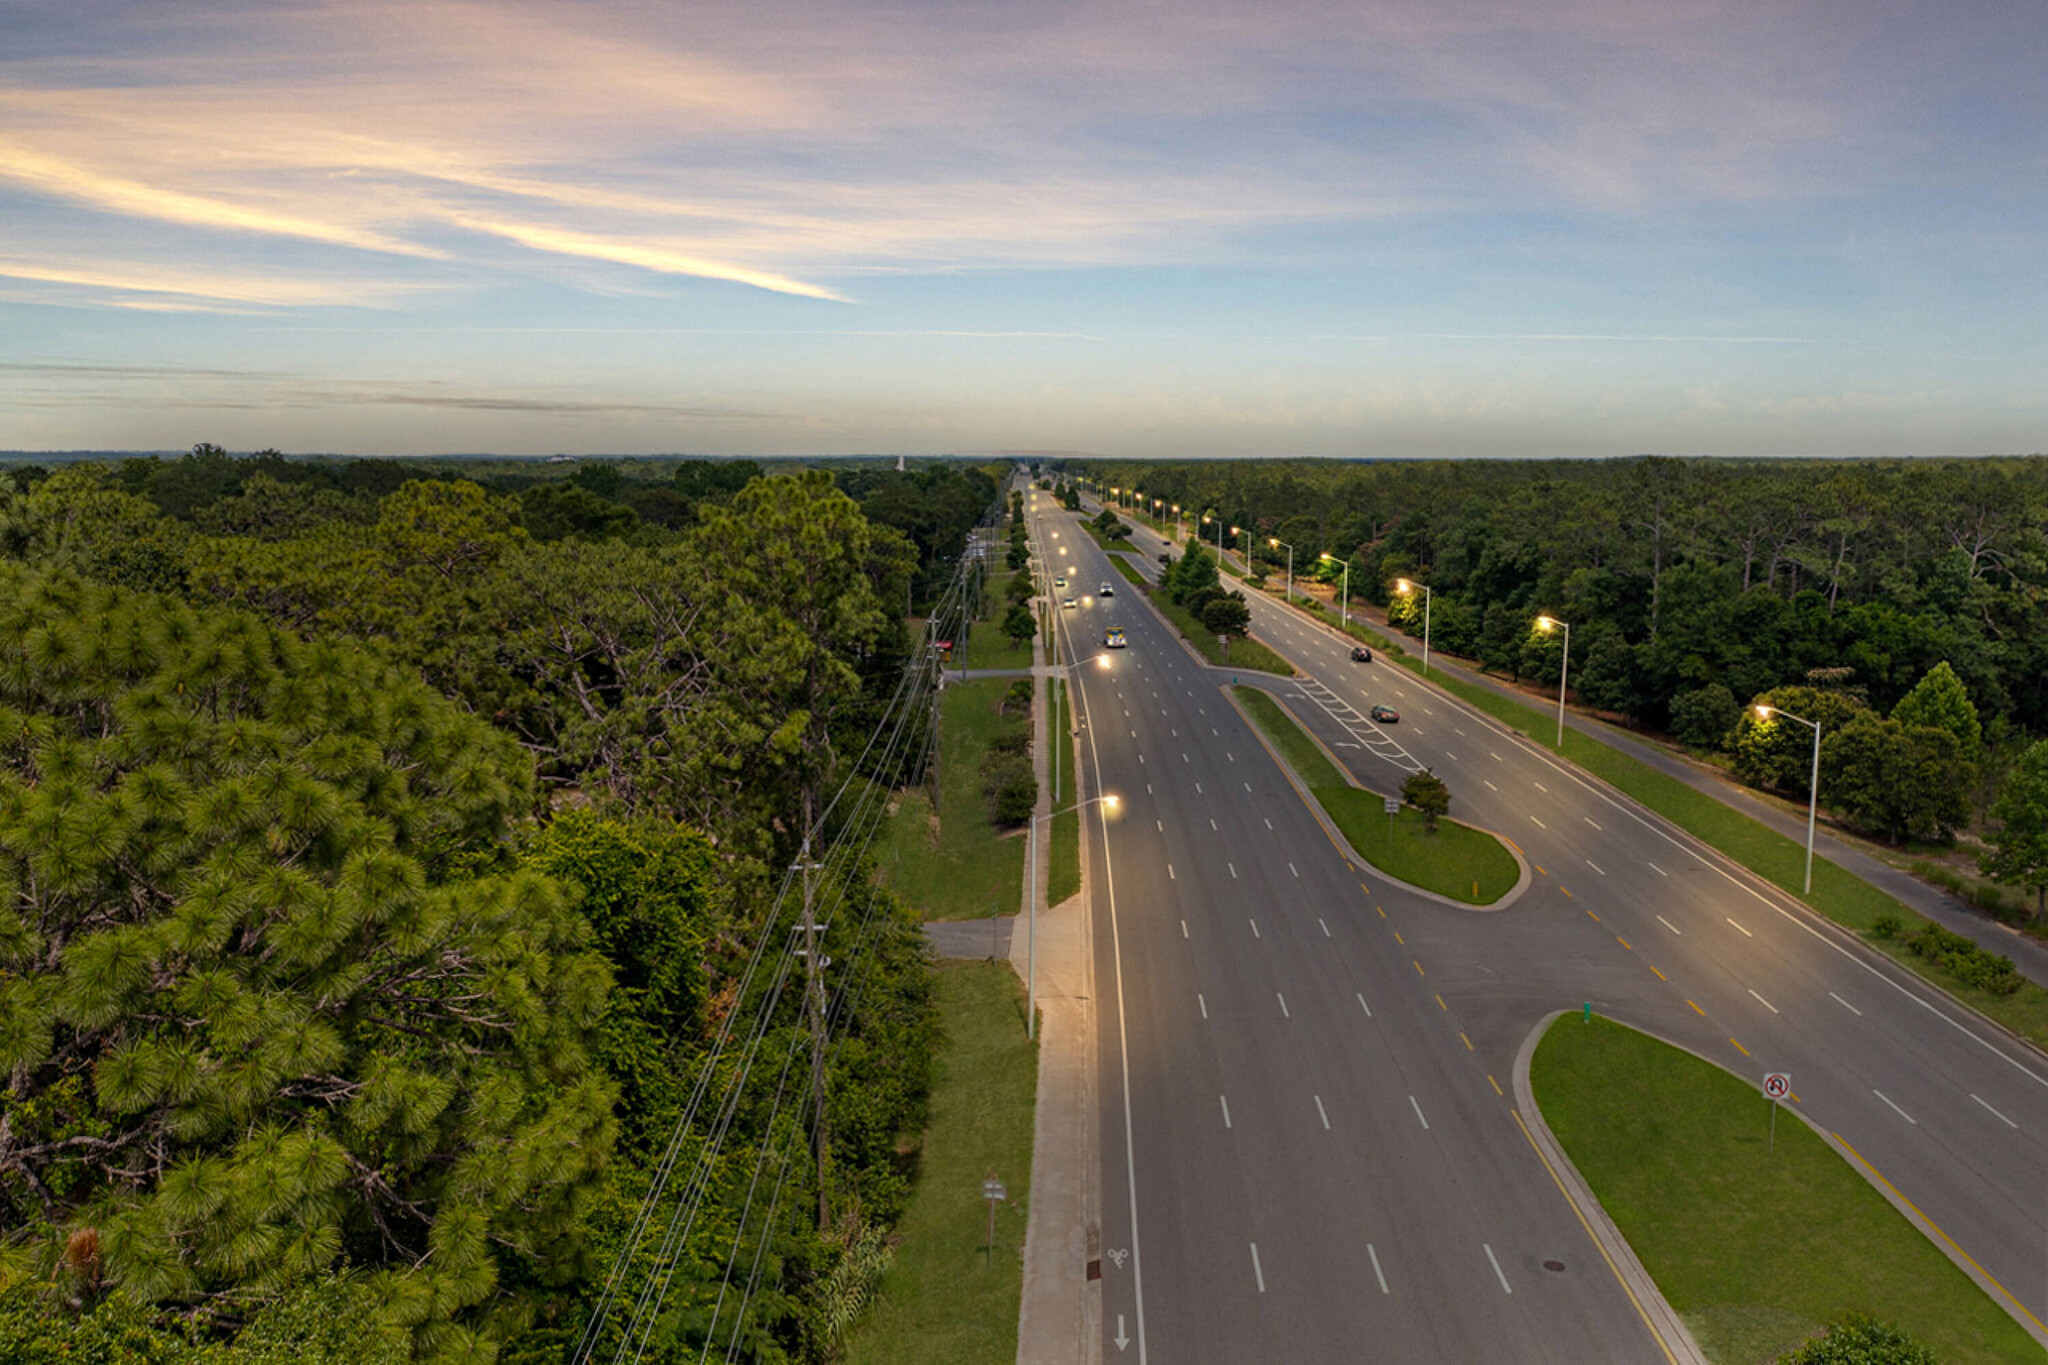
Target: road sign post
{"points": [[1777, 1085], [1393, 807], [993, 1191]]}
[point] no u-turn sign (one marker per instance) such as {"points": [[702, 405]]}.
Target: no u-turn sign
{"points": [[1777, 1085]]}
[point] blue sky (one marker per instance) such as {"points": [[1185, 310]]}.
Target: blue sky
{"points": [[1377, 228]]}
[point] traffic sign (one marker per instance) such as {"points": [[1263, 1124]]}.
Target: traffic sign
{"points": [[1393, 804], [1777, 1085]]}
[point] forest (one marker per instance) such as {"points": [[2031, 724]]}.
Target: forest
{"points": [[1900, 603], [398, 871]]}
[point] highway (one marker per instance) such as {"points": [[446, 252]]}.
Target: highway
{"points": [[1305, 1155], [1655, 930]]}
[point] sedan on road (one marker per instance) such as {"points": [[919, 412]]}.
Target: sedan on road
{"points": [[1069, 604], [1361, 655], [1384, 714], [1106, 591]]}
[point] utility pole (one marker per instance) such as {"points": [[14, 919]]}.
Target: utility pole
{"points": [[814, 996]]}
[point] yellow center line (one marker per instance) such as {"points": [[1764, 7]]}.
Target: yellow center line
{"points": [[1468, 1041], [1440, 1003], [1382, 910], [1623, 942], [1511, 843], [1660, 975], [1567, 890], [1600, 1246], [1697, 1010], [1539, 868], [1418, 968], [1494, 1083], [1740, 1048], [1398, 939], [1595, 918], [1939, 1233]]}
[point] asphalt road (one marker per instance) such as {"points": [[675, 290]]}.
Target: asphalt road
{"points": [[1652, 928], [1306, 1156]]}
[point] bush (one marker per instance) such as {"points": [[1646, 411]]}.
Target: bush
{"points": [[1011, 788], [1704, 716], [1859, 1340], [1964, 960], [1008, 743], [1885, 926]]}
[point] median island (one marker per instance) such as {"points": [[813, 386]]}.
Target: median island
{"points": [[1454, 861], [1757, 1239]]}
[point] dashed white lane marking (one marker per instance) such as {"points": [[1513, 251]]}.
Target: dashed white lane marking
{"points": [[1283, 1005], [2000, 1117], [1846, 1005], [1203, 1003], [1765, 1003], [1255, 929], [1212, 823], [1540, 787], [1504, 1287], [1183, 928], [1295, 870], [1745, 932], [1539, 823], [1229, 757], [1495, 757], [1233, 870], [1184, 756], [1674, 929], [1591, 821], [1269, 823], [1257, 1273], [1362, 1005], [1489, 786], [1248, 787], [1895, 1109], [1596, 867], [1418, 1113], [1460, 731], [1198, 789], [1658, 870], [1169, 873], [1322, 1113], [1448, 754], [1224, 1100], [1326, 928], [1375, 1258]]}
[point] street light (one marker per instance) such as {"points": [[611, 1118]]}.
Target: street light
{"points": [[1283, 545], [1180, 530], [1345, 614], [1407, 589], [1812, 782], [1031, 941], [1548, 623]]}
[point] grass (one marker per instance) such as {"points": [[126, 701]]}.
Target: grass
{"points": [[1465, 864], [988, 647], [948, 1296], [1064, 878], [1756, 1247], [963, 868]]}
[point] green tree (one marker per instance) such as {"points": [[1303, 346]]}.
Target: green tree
{"points": [[1858, 1340], [1228, 614], [1704, 716], [1427, 793], [268, 997], [553, 511], [1020, 625], [1940, 700], [1771, 751], [2019, 847], [1901, 781]]}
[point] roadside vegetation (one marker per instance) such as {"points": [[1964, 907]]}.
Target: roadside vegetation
{"points": [[1757, 1241], [1450, 859], [1191, 597], [1064, 879], [964, 859], [948, 1296]]}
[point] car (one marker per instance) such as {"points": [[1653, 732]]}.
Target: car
{"points": [[1360, 654], [1113, 638], [1105, 591], [1060, 582], [1165, 558], [1068, 604], [1384, 714]]}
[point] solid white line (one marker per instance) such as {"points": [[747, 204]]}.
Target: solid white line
{"points": [[1594, 823], [2008, 1122], [1847, 1006], [1283, 1005], [1362, 1005], [1326, 928], [1765, 1003], [1895, 1109], [1539, 823], [1658, 870], [1322, 1112], [1745, 932], [1674, 929], [1375, 1257], [1496, 1270], [1418, 1112], [1203, 1003], [1596, 867], [1260, 1274], [1224, 1100]]}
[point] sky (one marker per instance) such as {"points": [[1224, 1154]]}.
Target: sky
{"points": [[1368, 228]]}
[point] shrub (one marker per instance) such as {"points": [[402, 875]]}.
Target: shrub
{"points": [[1704, 716], [1885, 926], [1859, 1340], [1012, 790], [1964, 960]]}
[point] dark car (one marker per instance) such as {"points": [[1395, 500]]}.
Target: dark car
{"points": [[1165, 559], [1384, 714], [1360, 654]]}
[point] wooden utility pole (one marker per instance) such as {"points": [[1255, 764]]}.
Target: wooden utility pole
{"points": [[815, 964]]}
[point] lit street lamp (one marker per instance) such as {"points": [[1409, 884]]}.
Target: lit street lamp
{"points": [[1548, 623], [1407, 589], [1812, 782], [1031, 942], [1283, 545], [1345, 614]]}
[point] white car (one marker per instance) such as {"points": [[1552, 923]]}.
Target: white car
{"points": [[1106, 591], [1069, 604]]}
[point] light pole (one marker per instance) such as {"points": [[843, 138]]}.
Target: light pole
{"points": [[1344, 615], [1548, 623], [1180, 529], [1102, 661], [1812, 783], [1283, 545], [1407, 589], [1031, 942]]}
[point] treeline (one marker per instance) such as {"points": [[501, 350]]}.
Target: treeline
{"points": [[378, 878]]}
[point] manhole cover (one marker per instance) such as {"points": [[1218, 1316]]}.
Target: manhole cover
{"points": [[1555, 1267]]}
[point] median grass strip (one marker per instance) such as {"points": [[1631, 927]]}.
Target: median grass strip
{"points": [[1246, 654], [1757, 1245], [1064, 878], [957, 865], [1457, 861], [949, 1298]]}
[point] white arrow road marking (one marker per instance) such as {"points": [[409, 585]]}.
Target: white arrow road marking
{"points": [[1121, 1339]]}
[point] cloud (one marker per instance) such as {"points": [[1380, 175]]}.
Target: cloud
{"points": [[165, 286]]}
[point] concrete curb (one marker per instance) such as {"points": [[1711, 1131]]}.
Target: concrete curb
{"points": [[1657, 1313], [1343, 844]]}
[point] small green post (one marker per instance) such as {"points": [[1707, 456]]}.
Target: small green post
{"points": [[1587, 1017]]}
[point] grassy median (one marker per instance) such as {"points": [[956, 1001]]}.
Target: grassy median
{"points": [[1458, 861], [1755, 1246], [957, 865], [949, 1298], [1064, 878]]}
